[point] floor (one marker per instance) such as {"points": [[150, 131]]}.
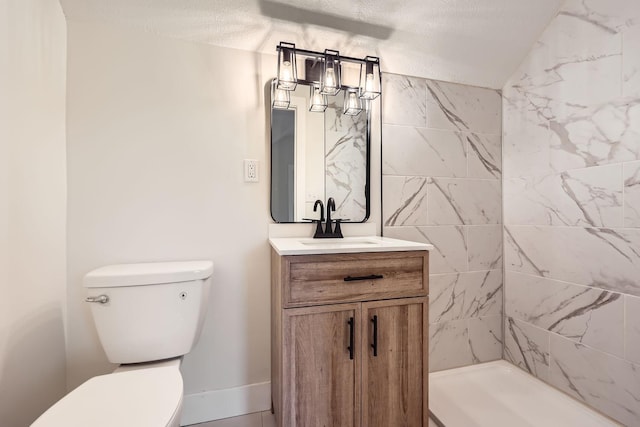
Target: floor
{"points": [[498, 394], [258, 419]]}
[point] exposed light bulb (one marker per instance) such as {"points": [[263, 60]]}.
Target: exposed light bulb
{"points": [[369, 83], [318, 101], [317, 97], [281, 95], [330, 78], [352, 103], [286, 71], [353, 100]]}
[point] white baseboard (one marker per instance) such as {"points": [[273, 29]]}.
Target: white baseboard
{"points": [[230, 402]]}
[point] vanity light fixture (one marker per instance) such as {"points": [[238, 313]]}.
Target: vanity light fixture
{"points": [[323, 73], [330, 84], [281, 97], [287, 70], [317, 100], [370, 78], [352, 102]]}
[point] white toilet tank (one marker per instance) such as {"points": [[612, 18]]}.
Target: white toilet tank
{"points": [[151, 311]]}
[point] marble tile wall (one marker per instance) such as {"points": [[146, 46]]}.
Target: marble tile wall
{"points": [[442, 170], [571, 180]]}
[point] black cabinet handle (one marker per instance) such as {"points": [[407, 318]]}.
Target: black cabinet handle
{"points": [[369, 277], [350, 348], [374, 346]]}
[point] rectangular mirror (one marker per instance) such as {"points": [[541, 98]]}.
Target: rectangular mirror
{"points": [[317, 155]]}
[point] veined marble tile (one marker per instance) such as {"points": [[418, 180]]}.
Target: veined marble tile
{"points": [[607, 133], [632, 328], [527, 347], [600, 257], [612, 15], [464, 201], [408, 150], [631, 60], [485, 155], [585, 197], [450, 245], [485, 247], [467, 108], [405, 200], [464, 295], [485, 338], [631, 177], [526, 135], [576, 64], [464, 342], [607, 383], [449, 345], [586, 315], [404, 100]]}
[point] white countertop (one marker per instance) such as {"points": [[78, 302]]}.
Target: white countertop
{"points": [[310, 246]]}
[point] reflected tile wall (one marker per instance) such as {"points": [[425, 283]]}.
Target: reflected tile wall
{"points": [[346, 151], [572, 207], [448, 136]]}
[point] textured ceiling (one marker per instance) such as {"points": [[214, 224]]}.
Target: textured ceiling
{"points": [[479, 42]]}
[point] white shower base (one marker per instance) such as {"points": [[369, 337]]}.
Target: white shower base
{"points": [[498, 394]]}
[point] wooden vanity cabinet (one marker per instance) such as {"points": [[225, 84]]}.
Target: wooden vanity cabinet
{"points": [[350, 353]]}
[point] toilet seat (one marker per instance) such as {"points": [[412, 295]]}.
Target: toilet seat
{"points": [[147, 397]]}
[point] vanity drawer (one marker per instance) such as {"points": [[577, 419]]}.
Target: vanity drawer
{"points": [[324, 279]]}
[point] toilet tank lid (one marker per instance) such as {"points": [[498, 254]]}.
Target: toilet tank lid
{"points": [[149, 273]]}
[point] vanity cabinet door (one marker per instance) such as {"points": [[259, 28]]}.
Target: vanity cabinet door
{"points": [[321, 366], [394, 363]]}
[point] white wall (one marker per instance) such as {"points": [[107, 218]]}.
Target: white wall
{"points": [[157, 133], [32, 208]]}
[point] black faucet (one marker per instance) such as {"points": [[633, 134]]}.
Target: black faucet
{"points": [[331, 207], [329, 231], [321, 220]]}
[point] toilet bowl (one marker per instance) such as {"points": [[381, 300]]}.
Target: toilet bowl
{"points": [[147, 316]]}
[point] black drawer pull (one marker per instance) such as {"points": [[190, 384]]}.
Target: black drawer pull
{"points": [[374, 346], [369, 277], [350, 348]]}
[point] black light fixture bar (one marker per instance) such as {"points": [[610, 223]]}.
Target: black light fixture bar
{"points": [[320, 55]]}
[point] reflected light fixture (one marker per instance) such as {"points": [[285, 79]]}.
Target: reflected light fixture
{"points": [[280, 97], [331, 73], [370, 78], [317, 100], [287, 70], [352, 102]]}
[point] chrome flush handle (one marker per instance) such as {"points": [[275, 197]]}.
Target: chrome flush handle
{"points": [[102, 299]]}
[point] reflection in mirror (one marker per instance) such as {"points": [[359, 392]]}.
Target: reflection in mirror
{"points": [[317, 156]]}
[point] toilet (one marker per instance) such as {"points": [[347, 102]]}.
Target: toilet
{"points": [[147, 317]]}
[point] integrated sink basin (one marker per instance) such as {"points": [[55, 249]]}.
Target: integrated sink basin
{"points": [[321, 243], [309, 246]]}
